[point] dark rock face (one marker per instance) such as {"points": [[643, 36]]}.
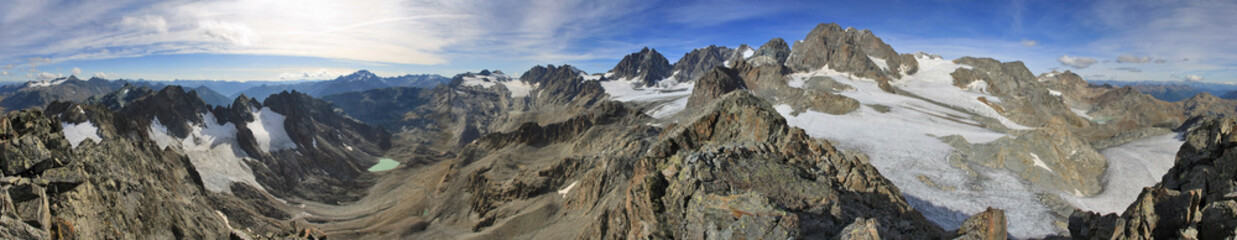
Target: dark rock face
{"points": [[698, 62], [309, 121], [1194, 200], [773, 52], [120, 98], [562, 86], [717, 82], [850, 51], [210, 96], [648, 66]]}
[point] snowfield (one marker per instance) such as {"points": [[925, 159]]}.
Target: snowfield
{"points": [[211, 149], [904, 145], [518, 88], [671, 99], [1131, 167], [268, 129], [76, 133]]}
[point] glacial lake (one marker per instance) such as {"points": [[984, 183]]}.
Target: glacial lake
{"points": [[384, 164]]}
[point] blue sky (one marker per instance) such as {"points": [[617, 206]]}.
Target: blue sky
{"points": [[319, 39]]}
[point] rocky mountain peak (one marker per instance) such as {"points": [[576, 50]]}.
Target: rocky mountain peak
{"points": [[550, 73], [562, 85], [647, 66], [853, 51], [172, 106], [699, 61], [773, 52], [714, 84], [360, 75]]}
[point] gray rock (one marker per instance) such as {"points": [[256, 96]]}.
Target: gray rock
{"points": [[717, 82], [698, 62], [773, 52], [647, 66]]}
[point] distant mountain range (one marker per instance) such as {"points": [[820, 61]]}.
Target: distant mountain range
{"points": [[1173, 91], [359, 81], [219, 93]]}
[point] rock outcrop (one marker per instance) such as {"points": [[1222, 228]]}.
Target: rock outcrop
{"points": [[647, 66], [713, 85], [1194, 200], [986, 225], [698, 62]]}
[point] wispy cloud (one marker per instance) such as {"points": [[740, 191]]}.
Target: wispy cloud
{"points": [[1029, 43], [1076, 62], [1126, 58]]}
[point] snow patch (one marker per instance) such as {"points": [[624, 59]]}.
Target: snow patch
{"points": [[747, 53], [1080, 113], [1054, 92], [78, 132], [1040, 163], [519, 88], [880, 62], [566, 190], [268, 129], [978, 86]]}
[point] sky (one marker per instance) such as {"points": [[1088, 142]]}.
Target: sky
{"points": [[1130, 40]]}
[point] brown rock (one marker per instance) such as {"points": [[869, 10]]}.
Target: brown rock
{"points": [[987, 225]]}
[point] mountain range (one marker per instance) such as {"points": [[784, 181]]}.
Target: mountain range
{"points": [[835, 136]]}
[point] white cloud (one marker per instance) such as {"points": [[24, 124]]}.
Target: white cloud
{"points": [[48, 76], [4, 73], [77, 71], [7, 67], [1126, 58], [100, 75], [235, 34], [1029, 43], [1194, 78], [1076, 62], [151, 23]]}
